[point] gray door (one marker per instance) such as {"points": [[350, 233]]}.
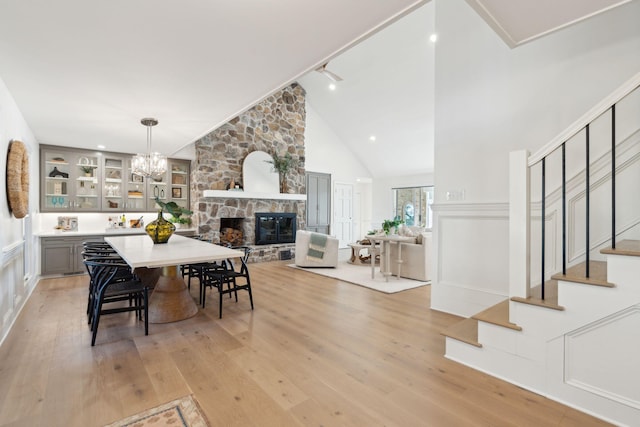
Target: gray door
{"points": [[318, 202]]}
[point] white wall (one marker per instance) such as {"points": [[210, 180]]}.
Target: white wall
{"points": [[491, 100], [326, 153], [14, 290]]}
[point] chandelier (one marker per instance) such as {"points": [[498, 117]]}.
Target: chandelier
{"points": [[151, 164]]}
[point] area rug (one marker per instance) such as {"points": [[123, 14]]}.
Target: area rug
{"points": [[183, 412], [361, 275]]}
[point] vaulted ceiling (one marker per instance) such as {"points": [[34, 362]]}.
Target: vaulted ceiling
{"points": [[85, 73]]}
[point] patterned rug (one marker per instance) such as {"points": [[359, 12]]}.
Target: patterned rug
{"points": [[183, 412]]}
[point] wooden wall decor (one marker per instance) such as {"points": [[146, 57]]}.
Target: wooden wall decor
{"points": [[18, 179]]}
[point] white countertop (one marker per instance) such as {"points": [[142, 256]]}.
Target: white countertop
{"points": [[140, 251], [103, 232]]}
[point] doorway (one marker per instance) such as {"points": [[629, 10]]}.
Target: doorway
{"points": [[343, 213]]}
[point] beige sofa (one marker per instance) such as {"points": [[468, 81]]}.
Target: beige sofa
{"points": [[416, 258], [315, 250]]}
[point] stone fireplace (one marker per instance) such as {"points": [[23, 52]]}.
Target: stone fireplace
{"points": [[218, 209], [275, 125]]}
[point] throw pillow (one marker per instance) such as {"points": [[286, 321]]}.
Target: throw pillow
{"points": [[406, 231]]}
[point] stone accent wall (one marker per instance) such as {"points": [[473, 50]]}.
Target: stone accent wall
{"points": [[276, 124]]}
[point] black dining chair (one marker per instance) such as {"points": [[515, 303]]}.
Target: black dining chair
{"points": [[103, 257], [198, 270], [96, 244], [193, 270], [110, 286], [233, 274], [93, 271]]}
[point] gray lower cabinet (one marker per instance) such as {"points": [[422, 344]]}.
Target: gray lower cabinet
{"points": [[63, 255]]}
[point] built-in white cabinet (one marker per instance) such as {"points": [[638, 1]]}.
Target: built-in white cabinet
{"points": [[89, 181]]}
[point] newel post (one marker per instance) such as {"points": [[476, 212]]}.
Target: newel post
{"points": [[519, 216]]}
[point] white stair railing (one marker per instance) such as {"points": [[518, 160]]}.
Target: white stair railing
{"points": [[521, 166]]}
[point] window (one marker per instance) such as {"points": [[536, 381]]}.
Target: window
{"points": [[413, 205]]}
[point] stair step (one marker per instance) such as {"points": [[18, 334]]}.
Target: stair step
{"points": [[576, 274], [497, 315], [624, 247], [550, 296], [466, 331]]}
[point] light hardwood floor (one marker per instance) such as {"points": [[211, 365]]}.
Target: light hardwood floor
{"points": [[315, 352]]}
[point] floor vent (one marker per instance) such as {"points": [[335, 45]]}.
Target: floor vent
{"points": [[285, 254]]}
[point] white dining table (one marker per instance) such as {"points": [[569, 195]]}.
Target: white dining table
{"points": [[170, 300]]}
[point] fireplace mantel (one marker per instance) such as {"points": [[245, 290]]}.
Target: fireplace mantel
{"points": [[251, 195]]}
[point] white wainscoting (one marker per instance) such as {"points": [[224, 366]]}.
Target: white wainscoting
{"points": [[12, 291], [471, 262], [602, 357]]}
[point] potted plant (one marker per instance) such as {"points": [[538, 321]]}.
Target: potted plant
{"points": [[282, 165], [176, 212], [391, 223], [88, 170]]}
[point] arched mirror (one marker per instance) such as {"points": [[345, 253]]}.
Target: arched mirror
{"points": [[258, 175]]}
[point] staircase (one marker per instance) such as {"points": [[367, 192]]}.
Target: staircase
{"points": [[579, 346], [576, 337]]}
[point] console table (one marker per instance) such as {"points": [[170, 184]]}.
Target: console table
{"points": [[385, 253]]}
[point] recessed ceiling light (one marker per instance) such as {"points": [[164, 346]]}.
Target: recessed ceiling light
{"points": [[372, 138], [433, 38], [101, 147], [332, 86]]}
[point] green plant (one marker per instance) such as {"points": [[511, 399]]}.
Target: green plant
{"points": [[86, 169], [176, 212], [282, 165], [180, 220], [389, 223]]}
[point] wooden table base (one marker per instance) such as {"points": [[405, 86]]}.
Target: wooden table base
{"points": [[170, 300]]}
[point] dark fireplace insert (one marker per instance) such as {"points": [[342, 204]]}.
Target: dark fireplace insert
{"points": [[272, 228]]}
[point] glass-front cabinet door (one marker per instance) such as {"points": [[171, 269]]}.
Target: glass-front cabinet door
{"points": [[113, 184], [136, 198], [86, 183], [57, 178], [70, 181], [157, 187]]}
